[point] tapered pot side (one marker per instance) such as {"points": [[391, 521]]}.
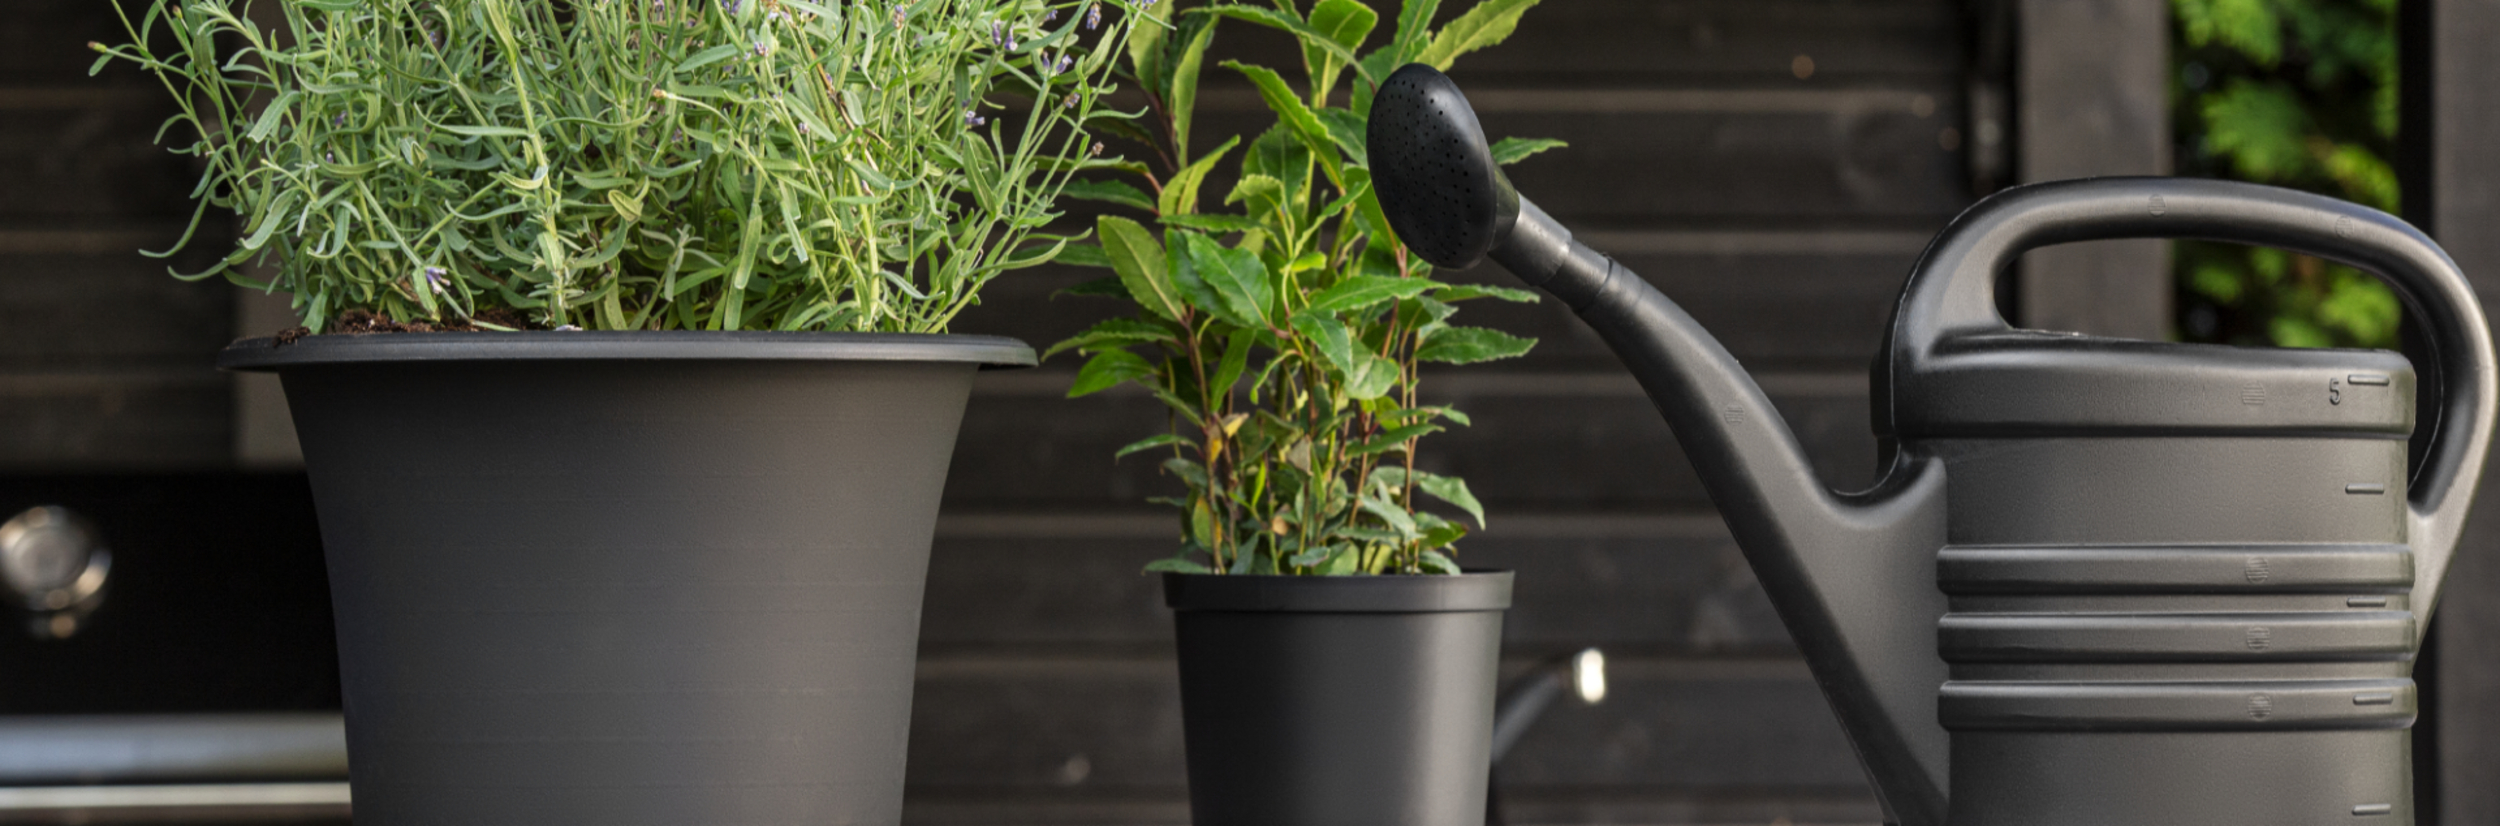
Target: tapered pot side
{"points": [[1338, 701], [627, 578]]}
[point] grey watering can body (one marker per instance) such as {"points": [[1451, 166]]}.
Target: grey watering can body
{"points": [[2101, 581]]}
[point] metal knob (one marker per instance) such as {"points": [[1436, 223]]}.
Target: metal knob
{"points": [[54, 565]]}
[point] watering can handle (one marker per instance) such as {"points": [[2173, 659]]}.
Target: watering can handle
{"points": [[1952, 293]]}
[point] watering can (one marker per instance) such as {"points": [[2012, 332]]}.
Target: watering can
{"points": [[2101, 582]]}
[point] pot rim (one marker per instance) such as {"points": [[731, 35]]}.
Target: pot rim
{"points": [[266, 355], [1473, 590]]}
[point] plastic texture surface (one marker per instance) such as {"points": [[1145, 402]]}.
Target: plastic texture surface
{"points": [[1304, 704], [1429, 156], [575, 588], [2101, 581]]}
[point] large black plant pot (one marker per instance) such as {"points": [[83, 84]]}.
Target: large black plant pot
{"points": [[1338, 701], [609, 579]]}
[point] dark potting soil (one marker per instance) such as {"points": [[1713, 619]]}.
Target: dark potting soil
{"points": [[365, 322]]}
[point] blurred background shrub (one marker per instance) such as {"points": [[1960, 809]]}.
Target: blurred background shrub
{"points": [[2294, 93]]}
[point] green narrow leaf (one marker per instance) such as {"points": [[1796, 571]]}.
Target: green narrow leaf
{"points": [[1437, 563], [1236, 360], [1150, 443], [1363, 291], [1487, 24], [1145, 45], [1115, 332], [1140, 263], [706, 57], [1279, 20], [1085, 255], [271, 117], [1462, 292], [1347, 130], [1343, 22], [1469, 345], [1110, 192], [1184, 86], [1290, 109], [1180, 195], [1107, 369], [1394, 439], [1213, 223], [1512, 150], [1414, 30], [1453, 490], [1177, 565]]}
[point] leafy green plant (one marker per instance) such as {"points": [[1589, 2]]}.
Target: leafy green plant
{"points": [[1285, 336], [637, 164], [2297, 93]]}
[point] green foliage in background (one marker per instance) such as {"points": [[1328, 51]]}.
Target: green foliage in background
{"points": [[636, 164], [1284, 333], [2294, 93]]}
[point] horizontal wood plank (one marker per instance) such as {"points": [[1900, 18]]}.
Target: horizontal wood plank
{"points": [[1651, 583], [1111, 727]]}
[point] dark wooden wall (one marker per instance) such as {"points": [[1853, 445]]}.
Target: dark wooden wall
{"points": [[1782, 207], [104, 361]]}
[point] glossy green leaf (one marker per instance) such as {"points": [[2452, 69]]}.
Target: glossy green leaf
{"points": [[1487, 24], [1469, 345], [1237, 277], [1279, 20], [1236, 360], [1212, 223], [1111, 192], [1463, 292], [1140, 262], [1329, 337], [1115, 332], [1150, 443], [1364, 291], [1453, 490], [1177, 565], [1183, 89], [1509, 151], [1108, 369]]}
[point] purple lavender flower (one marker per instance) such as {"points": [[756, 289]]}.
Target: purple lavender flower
{"points": [[973, 118], [763, 47], [1062, 65], [731, 6], [1093, 16], [434, 279], [998, 34], [1050, 15]]}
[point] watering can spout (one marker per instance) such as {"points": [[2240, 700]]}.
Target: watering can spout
{"points": [[1852, 575]]}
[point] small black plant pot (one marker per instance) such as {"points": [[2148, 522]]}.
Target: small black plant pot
{"points": [[1338, 701], [613, 579]]}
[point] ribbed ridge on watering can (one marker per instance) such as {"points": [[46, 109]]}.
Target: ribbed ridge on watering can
{"points": [[2120, 594]]}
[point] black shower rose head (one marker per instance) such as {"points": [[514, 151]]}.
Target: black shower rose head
{"points": [[1436, 177]]}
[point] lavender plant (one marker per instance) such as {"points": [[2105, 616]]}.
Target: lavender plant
{"points": [[636, 164], [1286, 337]]}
